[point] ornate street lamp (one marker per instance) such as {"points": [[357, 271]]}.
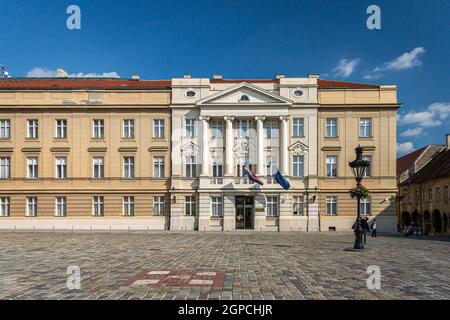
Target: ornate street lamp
{"points": [[358, 167]]}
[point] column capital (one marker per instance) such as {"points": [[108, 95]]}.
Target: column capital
{"points": [[262, 118], [230, 118], [285, 118], [206, 118]]}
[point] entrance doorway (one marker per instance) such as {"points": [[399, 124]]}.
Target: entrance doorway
{"points": [[244, 212]]}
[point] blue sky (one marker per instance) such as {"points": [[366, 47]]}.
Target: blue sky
{"points": [[246, 39]]}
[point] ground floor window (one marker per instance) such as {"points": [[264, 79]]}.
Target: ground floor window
{"points": [[332, 205], [365, 207], [128, 206], [298, 206], [190, 206], [217, 206], [4, 206], [98, 205], [158, 205], [31, 206], [61, 206], [272, 206]]}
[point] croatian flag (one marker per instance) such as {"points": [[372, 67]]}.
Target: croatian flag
{"points": [[282, 181], [252, 176]]}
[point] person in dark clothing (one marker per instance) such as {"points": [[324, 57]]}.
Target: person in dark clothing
{"points": [[374, 228], [365, 227]]}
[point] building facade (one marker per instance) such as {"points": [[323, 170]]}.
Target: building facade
{"points": [[84, 154], [133, 154]]}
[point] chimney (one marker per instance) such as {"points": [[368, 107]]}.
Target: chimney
{"points": [[313, 75], [279, 76], [61, 73], [448, 140], [135, 77], [217, 77], [187, 76]]}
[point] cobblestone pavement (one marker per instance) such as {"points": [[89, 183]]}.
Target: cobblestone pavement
{"points": [[169, 265]]}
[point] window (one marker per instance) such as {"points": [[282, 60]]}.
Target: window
{"points": [[158, 128], [98, 129], [128, 129], [32, 129], [244, 98], [417, 196], [61, 206], [31, 206], [298, 206], [5, 129], [98, 170], [61, 129], [191, 167], [4, 206], [365, 207], [430, 194], [128, 206], [446, 193], [128, 167], [299, 167], [217, 206], [158, 205], [217, 173], [331, 166], [158, 167], [332, 205], [270, 169], [190, 206], [32, 166], [61, 167], [299, 127], [217, 129], [297, 93], [5, 167], [368, 171], [190, 93], [191, 131], [438, 194], [243, 128], [365, 127], [98, 205], [272, 206], [271, 129], [331, 127]]}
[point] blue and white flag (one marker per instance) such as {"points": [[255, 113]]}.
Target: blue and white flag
{"points": [[252, 176], [282, 181]]}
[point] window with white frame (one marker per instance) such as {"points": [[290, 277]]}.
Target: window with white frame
{"points": [[365, 127], [190, 205], [128, 128], [217, 129], [272, 206], [331, 166], [98, 206], [368, 170], [217, 170], [32, 168], [298, 164], [158, 205], [60, 206], [243, 128], [4, 206], [365, 207], [446, 195], [271, 129], [128, 167], [31, 206], [438, 194], [298, 206], [128, 206], [98, 128], [61, 167], [331, 202], [158, 128], [298, 127], [98, 167], [5, 167], [217, 206], [191, 130], [32, 128], [158, 167], [430, 194], [270, 169], [331, 127], [61, 129], [191, 167], [5, 129]]}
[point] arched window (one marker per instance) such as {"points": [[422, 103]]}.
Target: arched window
{"points": [[244, 98]]}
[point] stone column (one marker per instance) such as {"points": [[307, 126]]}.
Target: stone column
{"points": [[260, 145], [284, 138], [205, 145], [229, 146]]}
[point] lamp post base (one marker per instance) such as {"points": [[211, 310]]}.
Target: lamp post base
{"points": [[359, 244]]}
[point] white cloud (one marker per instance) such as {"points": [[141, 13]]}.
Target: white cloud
{"points": [[405, 61], [412, 132], [346, 67], [42, 72], [405, 147], [432, 116]]}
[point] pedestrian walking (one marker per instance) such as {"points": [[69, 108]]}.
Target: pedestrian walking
{"points": [[374, 228]]}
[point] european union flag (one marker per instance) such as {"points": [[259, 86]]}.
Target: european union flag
{"points": [[282, 181]]}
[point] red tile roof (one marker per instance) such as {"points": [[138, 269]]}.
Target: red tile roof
{"points": [[438, 167], [332, 84], [88, 83], [404, 162]]}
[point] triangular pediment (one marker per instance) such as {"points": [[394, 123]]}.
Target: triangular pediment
{"points": [[190, 149], [244, 94], [298, 148]]}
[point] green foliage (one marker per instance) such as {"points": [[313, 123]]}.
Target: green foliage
{"points": [[360, 192]]}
